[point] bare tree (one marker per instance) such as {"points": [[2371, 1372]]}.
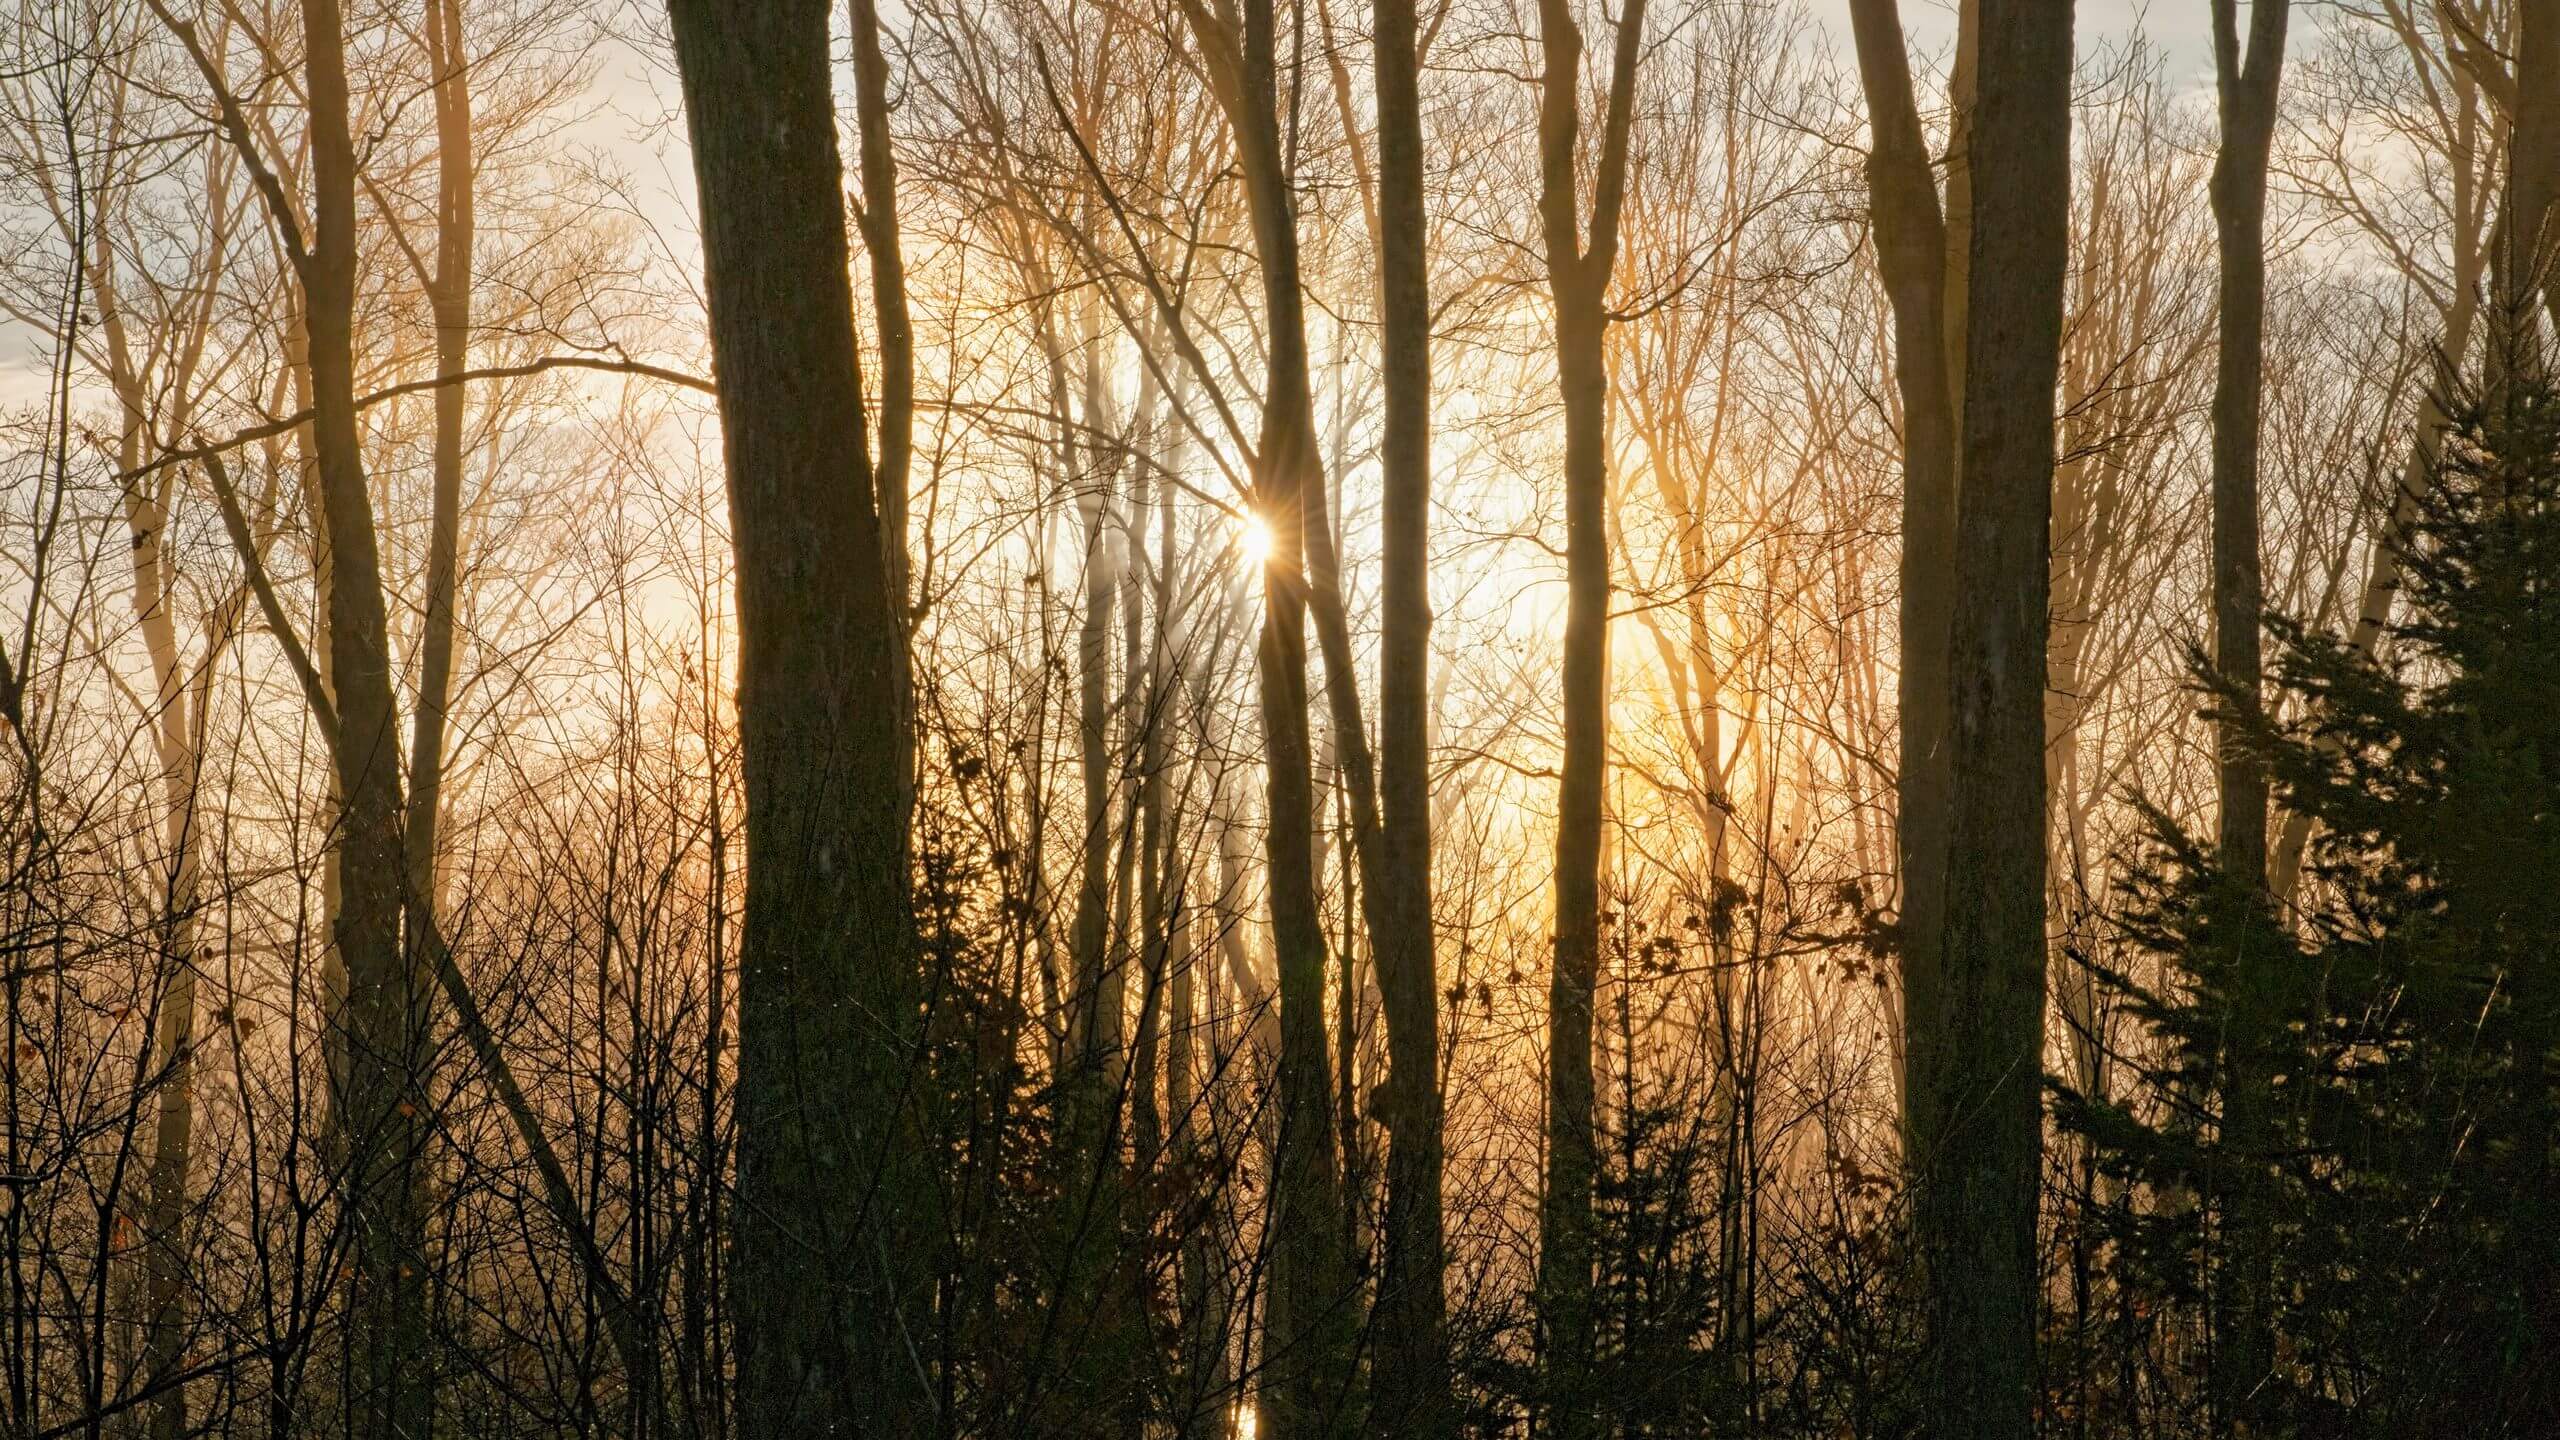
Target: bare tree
{"points": [[1413, 1357], [2248, 86], [382, 1115], [1980, 1143], [1579, 265], [1914, 251], [827, 1252]]}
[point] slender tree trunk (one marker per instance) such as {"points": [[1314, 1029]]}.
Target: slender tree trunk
{"points": [[1189, 1084], [1912, 249], [333, 958], [157, 1302], [1981, 1137], [173, 1135], [1565, 1254], [1308, 1320], [1307, 1334], [1412, 1321], [1148, 711], [2248, 86], [1578, 275], [1096, 1002], [895, 434], [178, 703], [380, 1018], [880, 241], [449, 297], [829, 1289], [383, 1105]]}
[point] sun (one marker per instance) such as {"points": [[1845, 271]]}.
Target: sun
{"points": [[1253, 539]]}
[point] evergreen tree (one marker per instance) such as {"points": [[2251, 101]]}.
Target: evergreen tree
{"points": [[2406, 1014]]}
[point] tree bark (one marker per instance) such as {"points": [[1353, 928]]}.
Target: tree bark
{"points": [[1147, 714], [179, 701], [1957, 259], [1308, 1329], [1981, 1136], [173, 1132], [449, 298], [1912, 249], [828, 1285], [382, 1107], [2247, 86], [1096, 1008], [1412, 1321], [1578, 273], [2529, 261], [878, 216]]}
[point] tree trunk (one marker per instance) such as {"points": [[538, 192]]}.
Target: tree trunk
{"points": [[449, 297], [382, 1107], [2247, 86], [1308, 1322], [1147, 712], [2530, 259], [1956, 260], [879, 218], [1578, 275], [1098, 982], [1912, 249], [829, 1284], [1412, 1321], [878, 215], [1981, 1136], [173, 1135], [178, 707]]}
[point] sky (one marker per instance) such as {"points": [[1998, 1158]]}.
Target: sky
{"points": [[631, 94], [2179, 25]]}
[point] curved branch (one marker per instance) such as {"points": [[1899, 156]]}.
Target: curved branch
{"points": [[271, 428]]}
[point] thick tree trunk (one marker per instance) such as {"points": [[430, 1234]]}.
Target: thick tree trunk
{"points": [[1981, 1136], [1578, 272], [1412, 1321], [828, 1279], [2248, 86], [2529, 261]]}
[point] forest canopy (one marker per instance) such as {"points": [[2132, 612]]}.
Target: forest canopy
{"points": [[1279, 718]]}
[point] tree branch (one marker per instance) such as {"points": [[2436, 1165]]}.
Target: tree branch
{"points": [[271, 428]]}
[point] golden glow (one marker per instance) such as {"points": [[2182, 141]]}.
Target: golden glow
{"points": [[1253, 544]]}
